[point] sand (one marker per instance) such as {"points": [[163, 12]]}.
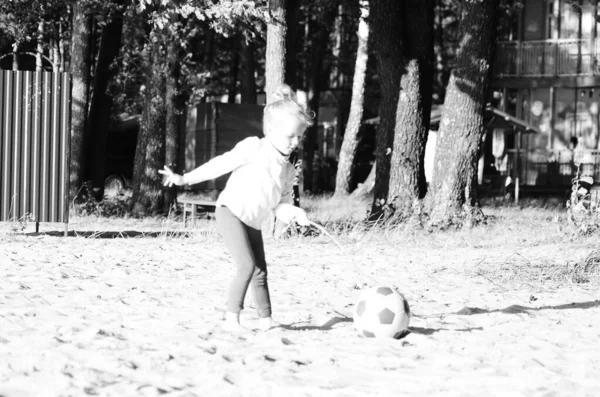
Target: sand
{"points": [[142, 315]]}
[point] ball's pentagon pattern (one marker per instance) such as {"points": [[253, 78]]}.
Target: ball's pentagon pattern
{"points": [[360, 309], [381, 312], [384, 291], [386, 316]]}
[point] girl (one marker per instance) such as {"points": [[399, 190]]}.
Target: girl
{"points": [[261, 182]]}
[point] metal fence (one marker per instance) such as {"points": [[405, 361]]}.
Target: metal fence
{"points": [[35, 117]]}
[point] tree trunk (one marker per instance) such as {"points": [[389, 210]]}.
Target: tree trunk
{"points": [[455, 166], [310, 174], [276, 51], [440, 52], [175, 106], [15, 57], [407, 172], [386, 33], [291, 42], [247, 70], [80, 70], [368, 185], [350, 142], [101, 103], [39, 46], [233, 76], [55, 55], [147, 197]]}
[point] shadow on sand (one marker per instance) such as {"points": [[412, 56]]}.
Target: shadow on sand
{"points": [[519, 309], [112, 234], [325, 327], [431, 331]]}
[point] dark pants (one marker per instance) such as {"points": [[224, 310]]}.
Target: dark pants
{"points": [[245, 244]]}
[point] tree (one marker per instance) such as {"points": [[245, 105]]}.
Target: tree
{"points": [[174, 102], [314, 79], [101, 101], [80, 70], [276, 51], [350, 141], [459, 139], [386, 32], [247, 70], [147, 195], [407, 174]]}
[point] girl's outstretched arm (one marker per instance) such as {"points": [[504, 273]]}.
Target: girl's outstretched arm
{"points": [[241, 154]]}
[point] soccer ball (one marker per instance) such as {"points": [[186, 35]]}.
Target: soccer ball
{"points": [[381, 312]]}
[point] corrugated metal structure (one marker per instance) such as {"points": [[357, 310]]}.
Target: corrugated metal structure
{"points": [[35, 118]]}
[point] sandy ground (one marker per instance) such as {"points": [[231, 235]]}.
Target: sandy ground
{"points": [[142, 315]]}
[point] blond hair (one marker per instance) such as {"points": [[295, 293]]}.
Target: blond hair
{"points": [[284, 100]]}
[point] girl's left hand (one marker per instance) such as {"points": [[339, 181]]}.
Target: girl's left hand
{"points": [[172, 178]]}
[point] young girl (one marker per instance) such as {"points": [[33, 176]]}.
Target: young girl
{"points": [[261, 182]]}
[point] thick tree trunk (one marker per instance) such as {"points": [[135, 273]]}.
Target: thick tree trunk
{"points": [[147, 196], [454, 184], [310, 174], [175, 106], [386, 33], [350, 142], [247, 70], [80, 70], [407, 172], [101, 103], [276, 51]]}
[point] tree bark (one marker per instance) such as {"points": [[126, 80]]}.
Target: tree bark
{"points": [[386, 32], [39, 45], [233, 76], [80, 70], [247, 70], [276, 51], [407, 172], [368, 185], [147, 196], [101, 102], [291, 39], [454, 186], [350, 141], [175, 106], [15, 57], [310, 174]]}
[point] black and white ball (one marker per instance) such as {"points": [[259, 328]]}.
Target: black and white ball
{"points": [[381, 312]]}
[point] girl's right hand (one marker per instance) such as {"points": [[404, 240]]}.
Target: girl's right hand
{"points": [[172, 178]]}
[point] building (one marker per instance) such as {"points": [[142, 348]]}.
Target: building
{"points": [[547, 73]]}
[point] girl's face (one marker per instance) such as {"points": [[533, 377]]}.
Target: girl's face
{"points": [[285, 133]]}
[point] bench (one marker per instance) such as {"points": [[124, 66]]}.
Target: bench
{"points": [[191, 204]]}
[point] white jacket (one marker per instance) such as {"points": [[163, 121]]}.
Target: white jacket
{"points": [[261, 180]]}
